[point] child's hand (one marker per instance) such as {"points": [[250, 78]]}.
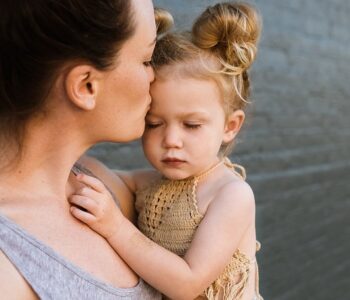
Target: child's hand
{"points": [[96, 207]]}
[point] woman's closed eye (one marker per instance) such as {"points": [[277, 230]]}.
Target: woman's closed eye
{"points": [[147, 63]]}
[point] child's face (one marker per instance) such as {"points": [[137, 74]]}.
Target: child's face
{"points": [[185, 127]]}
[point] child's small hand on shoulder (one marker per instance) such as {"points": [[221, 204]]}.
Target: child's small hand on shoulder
{"points": [[94, 205]]}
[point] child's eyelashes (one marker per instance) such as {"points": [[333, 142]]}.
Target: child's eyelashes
{"points": [[185, 125], [152, 125], [192, 126]]}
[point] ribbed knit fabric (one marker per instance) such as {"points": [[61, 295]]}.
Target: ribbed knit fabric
{"points": [[168, 214]]}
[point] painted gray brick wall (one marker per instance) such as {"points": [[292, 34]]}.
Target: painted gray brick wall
{"points": [[295, 146]]}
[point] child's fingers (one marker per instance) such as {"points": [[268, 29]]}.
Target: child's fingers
{"points": [[88, 204], [87, 191], [93, 182], [81, 215]]}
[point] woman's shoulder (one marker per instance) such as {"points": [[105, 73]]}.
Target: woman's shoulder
{"points": [[146, 178], [93, 166], [112, 181]]}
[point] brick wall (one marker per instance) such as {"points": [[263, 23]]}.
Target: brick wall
{"points": [[295, 146]]}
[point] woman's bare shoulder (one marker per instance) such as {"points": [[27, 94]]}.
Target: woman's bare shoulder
{"points": [[146, 177], [113, 182], [12, 284]]}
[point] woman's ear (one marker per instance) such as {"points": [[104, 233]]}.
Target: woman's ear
{"points": [[233, 125], [81, 86]]}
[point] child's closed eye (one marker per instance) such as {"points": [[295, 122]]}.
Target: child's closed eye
{"points": [[192, 125], [152, 125]]}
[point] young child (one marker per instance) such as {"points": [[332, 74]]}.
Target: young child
{"points": [[196, 214]]}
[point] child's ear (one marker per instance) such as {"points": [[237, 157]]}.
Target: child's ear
{"points": [[81, 86], [234, 123]]}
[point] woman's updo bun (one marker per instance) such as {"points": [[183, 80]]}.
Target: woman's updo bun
{"points": [[164, 21], [230, 30]]}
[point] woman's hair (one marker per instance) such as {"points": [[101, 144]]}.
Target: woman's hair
{"points": [[38, 38], [221, 46]]}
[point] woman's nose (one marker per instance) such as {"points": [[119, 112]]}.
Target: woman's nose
{"points": [[172, 139]]}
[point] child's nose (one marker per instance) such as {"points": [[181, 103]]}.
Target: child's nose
{"points": [[172, 139]]}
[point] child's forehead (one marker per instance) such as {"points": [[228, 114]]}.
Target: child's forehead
{"points": [[184, 99], [178, 81]]}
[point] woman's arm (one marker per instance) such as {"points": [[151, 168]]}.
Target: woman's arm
{"points": [[218, 236]]}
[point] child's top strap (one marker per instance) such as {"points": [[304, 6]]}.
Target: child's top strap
{"points": [[207, 172], [242, 173], [226, 161]]}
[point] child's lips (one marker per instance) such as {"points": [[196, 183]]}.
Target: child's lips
{"points": [[171, 161]]}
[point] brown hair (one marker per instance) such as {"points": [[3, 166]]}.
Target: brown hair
{"points": [[39, 37]]}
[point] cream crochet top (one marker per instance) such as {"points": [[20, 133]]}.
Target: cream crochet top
{"points": [[168, 214]]}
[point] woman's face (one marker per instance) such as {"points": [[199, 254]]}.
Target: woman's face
{"points": [[124, 94]]}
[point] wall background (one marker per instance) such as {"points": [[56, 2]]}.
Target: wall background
{"points": [[296, 147]]}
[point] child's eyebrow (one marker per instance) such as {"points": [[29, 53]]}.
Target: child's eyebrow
{"points": [[197, 114]]}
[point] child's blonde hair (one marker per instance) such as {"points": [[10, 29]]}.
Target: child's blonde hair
{"points": [[221, 46]]}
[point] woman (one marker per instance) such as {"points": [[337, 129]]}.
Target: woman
{"points": [[72, 74]]}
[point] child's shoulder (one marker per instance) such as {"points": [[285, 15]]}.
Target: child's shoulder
{"points": [[235, 194], [236, 189]]}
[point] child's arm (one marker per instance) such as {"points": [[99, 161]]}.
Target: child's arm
{"points": [[226, 220]]}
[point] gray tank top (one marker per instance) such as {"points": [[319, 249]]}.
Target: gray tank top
{"points": [[53, 277]]}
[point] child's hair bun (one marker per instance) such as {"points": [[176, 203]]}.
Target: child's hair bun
{"points": [[164, 20], [230, 30]]}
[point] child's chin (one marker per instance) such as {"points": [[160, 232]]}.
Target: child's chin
{"points": [[176, 176]]}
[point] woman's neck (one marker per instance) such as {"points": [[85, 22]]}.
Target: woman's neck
{"points": [[44, 166]]}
